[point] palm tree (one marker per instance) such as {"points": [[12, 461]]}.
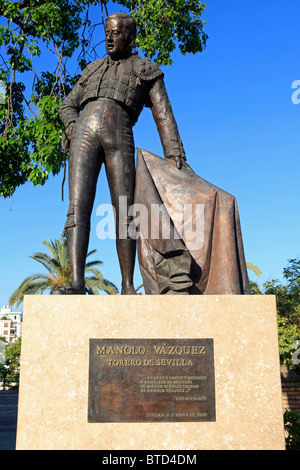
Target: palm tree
{"points": [[59, 273]]}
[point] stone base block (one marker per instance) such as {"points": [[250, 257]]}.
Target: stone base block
{"points": [[54, 379]]}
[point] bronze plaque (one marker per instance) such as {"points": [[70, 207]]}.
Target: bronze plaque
{"points": [[146, 380]]}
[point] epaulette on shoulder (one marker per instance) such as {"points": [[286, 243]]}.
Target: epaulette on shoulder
{"points": [[144, 69]]}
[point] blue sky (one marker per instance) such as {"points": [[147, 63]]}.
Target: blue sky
{"points": [[240, 129]]}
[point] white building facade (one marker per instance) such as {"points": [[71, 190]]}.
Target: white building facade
{"points": [[10, 324]]}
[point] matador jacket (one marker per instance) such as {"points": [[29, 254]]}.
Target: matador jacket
{"points": [[134, 83]]}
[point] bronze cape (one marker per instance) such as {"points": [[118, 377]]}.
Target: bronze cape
{"points": [[178, 265]]}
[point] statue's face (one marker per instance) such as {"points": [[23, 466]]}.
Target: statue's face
{"points": [[118, 38]]}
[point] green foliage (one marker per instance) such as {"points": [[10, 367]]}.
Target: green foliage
{"points": [[58, 269], [288, 294], [255, 289], [164, 24], [10, 366], [55, 31], [288, 336], [292, 428], [288, 310]]}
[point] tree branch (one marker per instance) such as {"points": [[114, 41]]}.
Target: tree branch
{"points": [[23, 3]]}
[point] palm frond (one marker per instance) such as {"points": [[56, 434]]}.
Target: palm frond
{"points": [[44, 259], [51, 247], [37, 287], [31, 285], [96, 273], [101, 284], [254, 268], [93, 263], [58, 269], [91, 252], [62, 252]]}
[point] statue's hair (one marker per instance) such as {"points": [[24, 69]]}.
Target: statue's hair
{"points": [[130, 22]]}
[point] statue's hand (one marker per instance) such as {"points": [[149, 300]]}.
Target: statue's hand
{"points": [[179, 161], [67, 135]]}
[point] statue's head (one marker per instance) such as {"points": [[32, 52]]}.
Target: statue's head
{"points": [[120, 34]]}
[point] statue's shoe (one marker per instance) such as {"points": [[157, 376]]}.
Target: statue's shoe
{"points": [[68, 290]]}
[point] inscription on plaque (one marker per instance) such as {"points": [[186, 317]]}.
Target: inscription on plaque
{"points": [[144, 380]]}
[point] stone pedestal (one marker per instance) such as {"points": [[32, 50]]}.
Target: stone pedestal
{"points": [[54, 381]]}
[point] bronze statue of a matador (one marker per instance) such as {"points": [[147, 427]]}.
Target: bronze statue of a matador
{"points": [[98, 115]]}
